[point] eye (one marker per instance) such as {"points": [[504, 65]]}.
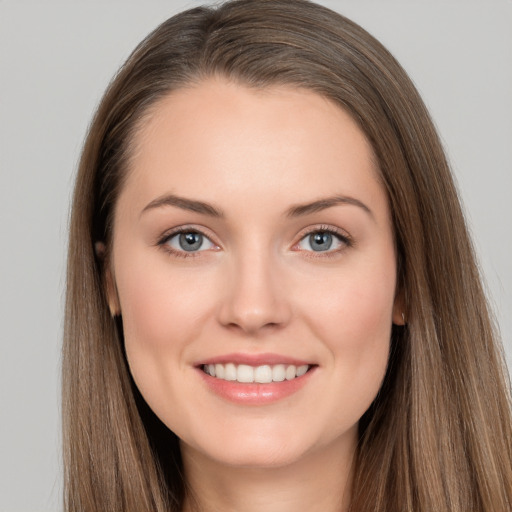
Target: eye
{"points": [[323, 240], [187, 241]]}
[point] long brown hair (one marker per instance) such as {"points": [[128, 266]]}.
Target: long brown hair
{"points": [[438, 436]]}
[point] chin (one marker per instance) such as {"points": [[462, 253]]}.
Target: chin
{"points": [[263, 449], [252, 455]]}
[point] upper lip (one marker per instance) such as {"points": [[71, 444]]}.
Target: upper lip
{"points": [[254, 359]]}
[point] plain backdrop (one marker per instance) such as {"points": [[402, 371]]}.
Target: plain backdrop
{"points": [[56, 58]]}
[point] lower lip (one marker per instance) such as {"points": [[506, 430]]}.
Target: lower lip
{"points": [[254, 393]]}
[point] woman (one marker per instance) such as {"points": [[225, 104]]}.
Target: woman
{"points": [[272, 297]]}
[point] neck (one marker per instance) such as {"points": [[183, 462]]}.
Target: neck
{"points": [[319, 482]]}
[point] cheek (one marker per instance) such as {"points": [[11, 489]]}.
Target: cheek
{"points": [[353, 317], [160, 305], [160, 309], [149, 308], [356, 302]]}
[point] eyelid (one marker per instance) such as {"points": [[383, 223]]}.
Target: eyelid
{"points": [[342, 235], [186, 228], [169, 234]]}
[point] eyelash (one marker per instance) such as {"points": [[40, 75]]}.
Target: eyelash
{"points": [[343, 237], [163, 242]]}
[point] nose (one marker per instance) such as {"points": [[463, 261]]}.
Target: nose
{"points": [[254, 298]]}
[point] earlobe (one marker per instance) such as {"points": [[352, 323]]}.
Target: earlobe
{"points": [[108, 280], [399, 316], [112, 296]]}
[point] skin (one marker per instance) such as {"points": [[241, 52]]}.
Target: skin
{"points": [[256, 286]]}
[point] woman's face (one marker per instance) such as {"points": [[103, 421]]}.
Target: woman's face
{"points": [[253, 241]]}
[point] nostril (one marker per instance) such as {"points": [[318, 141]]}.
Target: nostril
{"points": [[252, 300], [252, 326]]}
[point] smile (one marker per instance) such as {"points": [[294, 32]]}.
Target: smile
{"points": [[263, 374]]}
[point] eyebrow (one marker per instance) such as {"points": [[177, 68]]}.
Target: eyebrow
{"points": [[300, 210], [191, 205], [322, 204]]}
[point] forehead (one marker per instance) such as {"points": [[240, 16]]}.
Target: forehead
{"points": [[221, 141]]}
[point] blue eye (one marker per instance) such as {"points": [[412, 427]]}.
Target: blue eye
{"points": [[189, 241], [322, 241]]}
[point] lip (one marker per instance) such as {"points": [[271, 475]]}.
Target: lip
{"points": [[254, 360], [254, 394]]}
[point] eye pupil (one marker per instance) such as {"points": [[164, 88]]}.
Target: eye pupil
{"points": [[190, 241], [320, 241]]}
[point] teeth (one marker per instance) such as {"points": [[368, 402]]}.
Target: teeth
{"points": [[291, 372], [219, 371], [260, 374], [263, 374], [278, 373], [230, 371], [245, 373], [301, 370]]}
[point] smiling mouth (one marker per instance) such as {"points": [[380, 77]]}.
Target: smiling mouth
{"points": [[263, 374]]}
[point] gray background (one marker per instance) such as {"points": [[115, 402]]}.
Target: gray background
{"points": [[56, 59]]}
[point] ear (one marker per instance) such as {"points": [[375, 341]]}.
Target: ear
{"points": [[399, 317], [108, 279]]}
